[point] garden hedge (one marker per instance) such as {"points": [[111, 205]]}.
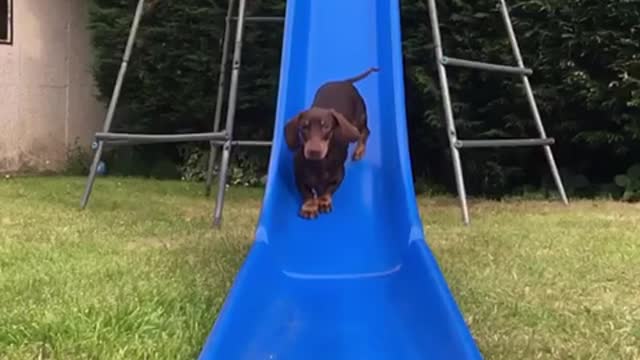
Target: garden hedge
{"points": [[585, 55]]}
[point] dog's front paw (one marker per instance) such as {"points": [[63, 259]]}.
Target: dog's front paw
{"points": [[358, 153], [309, 209], [324, 204]]}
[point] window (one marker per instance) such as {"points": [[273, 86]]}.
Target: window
{"points": [[6, 21]]}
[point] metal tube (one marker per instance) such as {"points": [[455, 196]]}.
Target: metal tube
{"points": [[160, 138], [233, 93], [115, 143], [446, 102], [114, 101], [213, 152], [503, 143], [242, 143], [532, 103], [262, 18], [486, 66], [222, 179]]}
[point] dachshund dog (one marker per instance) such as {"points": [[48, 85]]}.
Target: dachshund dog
{"points": [[320, 137]]}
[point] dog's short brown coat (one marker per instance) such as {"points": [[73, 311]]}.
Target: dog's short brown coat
{"points": [[320, 137]]}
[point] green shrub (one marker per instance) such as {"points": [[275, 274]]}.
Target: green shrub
{"points": [[78, 160], [586, 82], [247, 166], [630, 182]]}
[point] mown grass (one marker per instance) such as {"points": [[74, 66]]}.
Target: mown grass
{"points": [[140, 275]]}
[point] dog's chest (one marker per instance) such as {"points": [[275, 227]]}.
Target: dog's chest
{"points": [[319, 174]]}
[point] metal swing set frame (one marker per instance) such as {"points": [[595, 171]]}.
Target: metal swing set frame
{"points": [[224, 137], [218, 137]]}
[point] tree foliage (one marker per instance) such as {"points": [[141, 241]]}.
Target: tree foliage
{"points": [[585, 55]]}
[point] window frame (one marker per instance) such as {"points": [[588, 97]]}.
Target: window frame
{"points": [[9, 24]]}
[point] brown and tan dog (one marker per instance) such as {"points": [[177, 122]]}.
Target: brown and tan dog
{"points": [[321, 136]]}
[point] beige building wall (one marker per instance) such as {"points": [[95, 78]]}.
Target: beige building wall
{"points": [[46, 86]]}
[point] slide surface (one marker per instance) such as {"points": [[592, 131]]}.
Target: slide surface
{"points": [[359, 282]]}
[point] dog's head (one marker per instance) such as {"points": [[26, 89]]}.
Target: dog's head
{"points": [[316, 128]]}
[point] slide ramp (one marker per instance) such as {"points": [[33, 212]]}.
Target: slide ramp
{"points": [[359, 282]]}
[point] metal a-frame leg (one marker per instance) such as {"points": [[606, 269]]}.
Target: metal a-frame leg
{"points": [[454, 142], [113, 103], [448, 112], [233, 93], [532, 103], [213, 151]]}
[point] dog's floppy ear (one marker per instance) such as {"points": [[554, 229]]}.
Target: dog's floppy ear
{"points": [[291, 132], [345, 130]]}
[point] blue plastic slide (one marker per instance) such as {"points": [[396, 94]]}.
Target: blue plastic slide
{"points": [[360, 282]]}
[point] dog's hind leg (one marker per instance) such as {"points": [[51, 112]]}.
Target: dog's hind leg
{"points": [[361, 145]]}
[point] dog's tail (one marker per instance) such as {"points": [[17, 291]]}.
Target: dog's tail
{"points": [[363, 75]]}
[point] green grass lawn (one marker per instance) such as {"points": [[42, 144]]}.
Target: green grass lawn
{"points": [[140, 274]]}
